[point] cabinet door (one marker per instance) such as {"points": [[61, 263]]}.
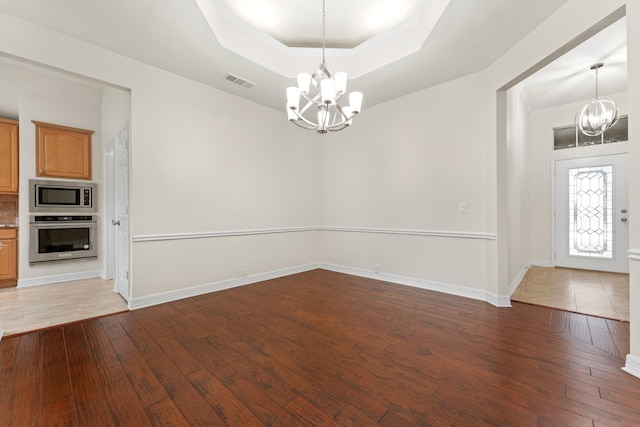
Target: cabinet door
{"points": [[63, 152], [8, 259], [8, 156]]}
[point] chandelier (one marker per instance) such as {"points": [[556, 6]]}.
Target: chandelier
{"points": [[322, 91], [599, 114]]}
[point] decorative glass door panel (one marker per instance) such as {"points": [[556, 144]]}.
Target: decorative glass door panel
{"points": [[590, 212]]}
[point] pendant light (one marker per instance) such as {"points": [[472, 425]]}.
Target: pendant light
{"points": [[322, 90], [599, 114]]}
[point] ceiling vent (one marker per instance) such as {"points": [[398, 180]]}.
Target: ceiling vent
{"points": [[239, 81]]}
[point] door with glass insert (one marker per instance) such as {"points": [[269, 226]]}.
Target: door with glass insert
{"points": [[591, 213]]}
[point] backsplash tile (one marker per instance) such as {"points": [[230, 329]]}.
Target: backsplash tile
{"points": [[8, 209]]}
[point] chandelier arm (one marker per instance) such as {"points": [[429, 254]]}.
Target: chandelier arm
{"points": [[344, 116], [310, 102], [305, 120], [303, 126], [337, 129]]}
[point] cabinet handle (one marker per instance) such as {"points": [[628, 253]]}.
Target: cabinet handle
{"points": [[0, 246], [41, 170]]}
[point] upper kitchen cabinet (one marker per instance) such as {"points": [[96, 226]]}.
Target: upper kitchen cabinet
{"points": [[63, 152], [8, 156]]}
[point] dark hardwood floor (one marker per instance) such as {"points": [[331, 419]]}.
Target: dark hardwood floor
{"points": [[322, 348]]}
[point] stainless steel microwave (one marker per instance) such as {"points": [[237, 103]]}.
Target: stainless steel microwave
{"points": [[62, 196]]}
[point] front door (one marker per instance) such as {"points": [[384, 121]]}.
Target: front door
{"points": [[591, 228]]}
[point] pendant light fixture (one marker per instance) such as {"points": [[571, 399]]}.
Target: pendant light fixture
{"points": [[599, 114], [322, 91]]}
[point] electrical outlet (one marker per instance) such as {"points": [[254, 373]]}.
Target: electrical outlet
{"points": [[239, 273], [377, 269], [245, 273], [463, 208]]}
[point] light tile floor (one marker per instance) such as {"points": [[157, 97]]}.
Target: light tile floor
{"points": [[38, 307], [596, 293]]}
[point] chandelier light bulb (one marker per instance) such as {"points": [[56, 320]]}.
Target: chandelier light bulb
{"points": [[340, 80], [355, 102], [293, 98], [304, 81]]}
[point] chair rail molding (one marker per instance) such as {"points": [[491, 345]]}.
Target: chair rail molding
{"points": [[253, 232]]}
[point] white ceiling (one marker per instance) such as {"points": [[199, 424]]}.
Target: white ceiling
{"points": [[299, 23], [430, 42]]}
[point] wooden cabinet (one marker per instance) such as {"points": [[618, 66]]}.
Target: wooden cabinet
{"points": [[63, 152], [8, 156], [8, 257]]}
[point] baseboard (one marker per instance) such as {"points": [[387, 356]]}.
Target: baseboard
{"points": [[540, 263], [47, 280], [497, 300], [632, 366], [516, 282], [164, 297]]}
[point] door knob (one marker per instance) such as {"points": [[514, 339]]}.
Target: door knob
{"points": [[623, 219], [623, 211], [114, 222]]}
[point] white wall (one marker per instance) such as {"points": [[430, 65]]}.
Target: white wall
{"points": [[541, 159], [404, 167], [633, 89], [198, 166], [517, 185]]}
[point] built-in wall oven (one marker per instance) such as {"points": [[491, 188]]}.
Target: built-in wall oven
{"points": [[62, 237]]}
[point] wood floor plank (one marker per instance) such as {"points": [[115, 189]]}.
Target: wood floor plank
{"points": [[260, 403], [194, 408], [231, 410], [146, 385], [57, 401], [105, 358], [125, 405], [323, 348], [23, 405], [166, 413], [144, 342], [89, 398], [8, 358]]}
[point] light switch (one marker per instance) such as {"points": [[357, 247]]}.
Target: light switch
{"points": [[463, 208]]}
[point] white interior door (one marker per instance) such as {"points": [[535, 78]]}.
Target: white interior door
{"points": [[591, 227], [121, 219]]}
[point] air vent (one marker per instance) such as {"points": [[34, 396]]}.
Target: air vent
{"points": [[239, 81]]}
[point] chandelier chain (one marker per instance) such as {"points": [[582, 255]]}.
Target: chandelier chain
{"points": [[323, 33]]}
